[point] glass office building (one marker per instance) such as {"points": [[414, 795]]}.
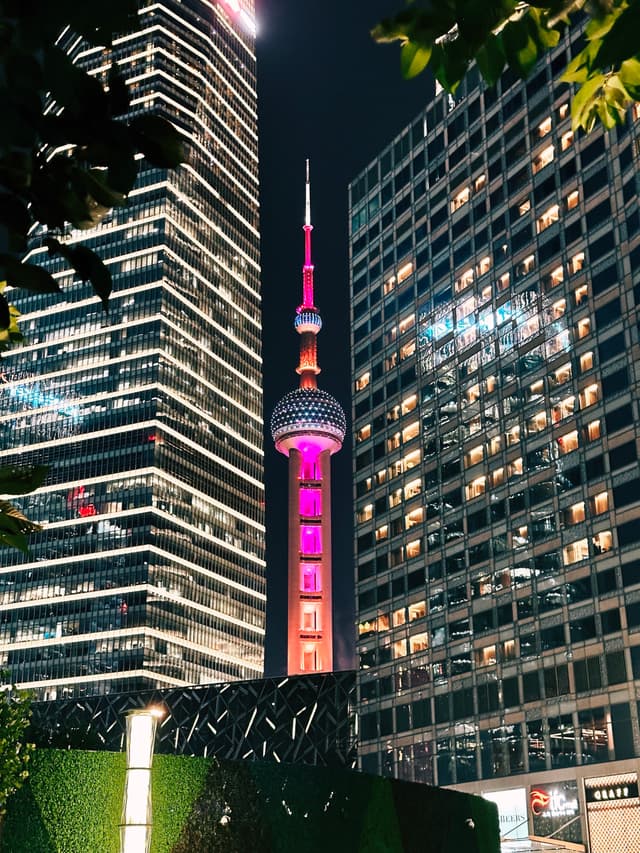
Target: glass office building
{"points": [[495, 275], [150, 568]]}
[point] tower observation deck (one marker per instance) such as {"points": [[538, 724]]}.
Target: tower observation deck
{"points": [[308, 425]]}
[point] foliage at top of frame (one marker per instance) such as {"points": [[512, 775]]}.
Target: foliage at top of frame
{"points": [[447, 36]]}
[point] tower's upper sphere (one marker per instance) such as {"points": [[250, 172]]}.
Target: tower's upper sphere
{"points": [[307, 321], [308, 412]]}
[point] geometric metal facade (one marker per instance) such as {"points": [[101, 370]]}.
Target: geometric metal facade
{"points": [[305, 720]]}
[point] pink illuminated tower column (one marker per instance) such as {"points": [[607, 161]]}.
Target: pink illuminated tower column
{"points": [[308, 425]]}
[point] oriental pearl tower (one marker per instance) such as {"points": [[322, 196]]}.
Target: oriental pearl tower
{"points": [[308, 425]]}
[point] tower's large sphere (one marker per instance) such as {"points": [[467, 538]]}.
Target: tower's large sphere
{"points": [[308, 412]]}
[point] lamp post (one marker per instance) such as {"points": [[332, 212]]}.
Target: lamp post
{"points": [[135, 829]]}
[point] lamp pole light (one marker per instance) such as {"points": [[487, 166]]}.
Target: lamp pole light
{"points": [[135, 829]]}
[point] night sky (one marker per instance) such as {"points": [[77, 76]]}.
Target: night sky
{"points": [[326, 92]]}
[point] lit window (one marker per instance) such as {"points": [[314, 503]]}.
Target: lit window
{"points": [[593, 431], [476, 487], [599, 503], [418, 642], [589, 395], [563, 111], [409, 404], [363, 381], [566, 140], [580, 294], [410, 431], [577, 262], [568, 443], [543, 159], [572, 200], [365, 513], [514, 469], [485, 293], [544, 127], [406, 323], [364, 433], [479, 182], [393, 442], [395, 498], [494, 445], [390, 361], [635, 111], [551, 215], [381, 476], [574, 514], [399, 648], [416, 516], [586, 361], [382, 622], [382, 532], [407, 350], [561, 375], [414, 549], [462, 197], [389, 285], [563, 409], [527, 265], [602, 542], [490, 384], [310, 619], [503, 282], [484, 265], [513, 436], [473, 456], [497, 477], [412, 489], [411, 460], [472, 393], [399, 617], [520, 536], [486, 656], [556, 276], [404, 272], [535, 390], [524, 207], [537, 423], [558, 308], [583, 327], [367, 627], [575, 552], [464, 280], [417, 610], [508, 650]]}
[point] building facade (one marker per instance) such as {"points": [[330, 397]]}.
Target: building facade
{"points": [[150, 568], [495, 275], [308, 426]]}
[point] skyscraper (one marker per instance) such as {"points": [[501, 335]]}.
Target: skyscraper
{"points": [[495, 273], [150, 569], [308, 425]]}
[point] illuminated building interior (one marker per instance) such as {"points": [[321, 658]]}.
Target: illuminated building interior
{"points": [[308, 425], [150, 568]]}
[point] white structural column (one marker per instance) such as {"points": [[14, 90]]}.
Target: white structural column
{"points": [[135, 829]]}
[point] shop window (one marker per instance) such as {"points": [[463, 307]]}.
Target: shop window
{"points": [[602, 542], [551, 215], [566, 140], [599, 503], [575, 552], [543, 159], [576, 263], [574, 514], [580, 294], [572, 200], [568, 443]]}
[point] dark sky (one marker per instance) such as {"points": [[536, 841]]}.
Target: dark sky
{"points": [[326, 92]]}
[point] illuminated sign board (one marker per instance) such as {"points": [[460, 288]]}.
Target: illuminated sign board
{"points": [[512, 812], [555, 811], [606, 793]]}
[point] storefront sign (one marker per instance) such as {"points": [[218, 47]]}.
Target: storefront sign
{"points": [[512, 812], [605, 793], [555, 811]]}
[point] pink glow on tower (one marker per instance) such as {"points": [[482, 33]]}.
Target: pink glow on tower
{"points": [[308, 426]]}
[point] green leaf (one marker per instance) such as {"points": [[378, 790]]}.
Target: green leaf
{"points": [[630, 77], [577, 71], [520, 48], [544, 37], [21, 480], [28, 276], [158, 140], [621, 42], [583, 105], [13, 520], [491, 59], [413, 59]]}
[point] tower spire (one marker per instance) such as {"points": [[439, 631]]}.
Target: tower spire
{"points": [[307, 270]]}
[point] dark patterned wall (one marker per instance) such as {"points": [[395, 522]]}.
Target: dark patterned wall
{"points": [[307, 719]]}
